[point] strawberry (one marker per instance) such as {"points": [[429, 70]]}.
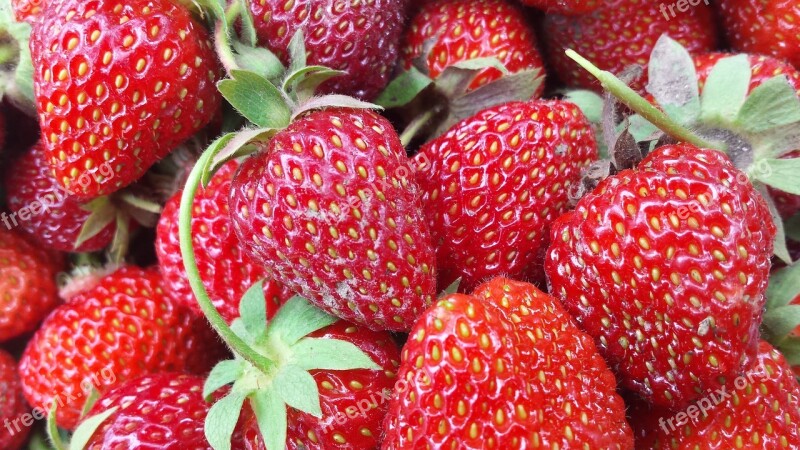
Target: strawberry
{"points": [[14, 425], [757, 409], [27, 284], [623, 33], [27, 10], [504, 367], [358, 37], [119, 85], [567, 7], [766, 27], [329, 210], [493, 184], [124, 327], [226, 270], [447, 32], [666, 267]]}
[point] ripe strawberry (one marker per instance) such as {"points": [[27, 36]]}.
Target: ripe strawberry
{"points": [[453, 31], [27, 10], [623, 33], [13, 431], [568, 7], [358, 37], [27, 284], [123, 327], [226, 271], [119, 85], [757, 409], [54, 218], [765, 27], [666, 267], [328, 208], [493, 184], [503, 368]]}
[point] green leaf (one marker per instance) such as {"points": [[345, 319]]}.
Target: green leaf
{"points": [[641, 129], [234, 145], [793, 227], [270, 411], [258, 60], [296, 319], [782, 174], [253, 310], [295, 77], [452, 289], [772, 104], [221, 420], [102, 215], [403, 89], [214, 148], [673, 80], [784, 286], [91, 399], [780, 249], [332, 101], [776, 142], [298, 389], [480, 64], [217, 10], [297, 52], [52, 429], [790, 347], [589, 102], [256, 99], [87, 428], [248, 27], [237, 326], [223, 374], [781, 321], [120, 242], [725, 90], [307, 87], [330, 354]]}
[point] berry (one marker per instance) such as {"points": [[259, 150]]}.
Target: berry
{"points": [[13, 431], [567, 7], [765, 27]]}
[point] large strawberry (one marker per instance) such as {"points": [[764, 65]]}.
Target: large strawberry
{"points": [[13, 409], [119, 85], [125, 326], [765, 27], [493, 184], [330, 209], [504, 367], [27, 284]]}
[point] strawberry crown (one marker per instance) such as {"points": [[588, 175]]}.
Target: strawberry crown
{"points": [[16, 66]]}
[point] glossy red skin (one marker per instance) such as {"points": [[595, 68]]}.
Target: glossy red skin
{"points": [[80, 343], [281, 208], [620, 34], [766, 407], [226, 271], [507, 351], [764, 27], [88, 136], [642, 286], [13, 431], [27, 284], [568, 7], [493, 184], [467, 29], [29, 182], [27, 10], [359, 37]]}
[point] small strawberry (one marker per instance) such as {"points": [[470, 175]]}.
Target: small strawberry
{"points": [[14, 425], [330, 210], [493, 184], [566, 7], [123, 327], [27, 10], [27, 283], [765, 27], [503, 368], [119, 85]]}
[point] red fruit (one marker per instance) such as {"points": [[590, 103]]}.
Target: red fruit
{"points": [[118, 86], [666, 267], [765, 27], [568, 7], [623, 33], [27, 10], [124, 327], [493, 184], [27, 284], [13, 431], [358, 37], [454, 31], [329, 209], [54, 217], [503, 368], [227, 273]]}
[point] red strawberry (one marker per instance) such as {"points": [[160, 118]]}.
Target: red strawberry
{"points": [[27, 10], [623, 33], [666, 267], [358, 37], [757, 409], [568, 7], [766, 27], [503, 368], [226, 271], [493, 184], [453, 31], [27, 284], [124, 327], [118, 86], [14, 424], [44, 210], [329, 209]]}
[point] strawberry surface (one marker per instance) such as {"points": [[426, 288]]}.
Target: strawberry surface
{"points": [[568, 7], [13, 408], [765, 27]]}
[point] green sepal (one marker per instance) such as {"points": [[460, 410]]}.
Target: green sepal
{"points": [[298, 389], [88, 427], [452, 288], [238, 328], [253, 310], [224, 373], [297, 52], [91, 399], [641, 129], [17, 83], [222, 418], [258, 100], [404, 88], [230, 146], [258, 60], [673, 80], [271, 416], [790, 347], [780, 249], [216, 9], [725, 90], [776, 142], [772, 104], [330, 354], [782, 174], [332, 101], [304, 82], [38, 441], [781, 321], [793, 227], [248, 26], [101, 214], [53, 432], [784, 287], [296, 319], [589, 102], [119, 244]]}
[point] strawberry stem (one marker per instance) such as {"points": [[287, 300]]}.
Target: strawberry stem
{"points": [[644, 108]]}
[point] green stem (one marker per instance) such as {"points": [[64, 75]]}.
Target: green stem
{"points": [[416, 125], [644, 108], [195, 280]]}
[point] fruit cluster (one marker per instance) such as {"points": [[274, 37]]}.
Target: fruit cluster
{"points": [[399, 224]]}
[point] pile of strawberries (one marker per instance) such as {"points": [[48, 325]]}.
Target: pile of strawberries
{"points": [[399, 224]]}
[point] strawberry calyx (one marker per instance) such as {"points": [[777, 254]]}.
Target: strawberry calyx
{"points": [[84, 277], [16, 67], [782, 315], [81, 436]]}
